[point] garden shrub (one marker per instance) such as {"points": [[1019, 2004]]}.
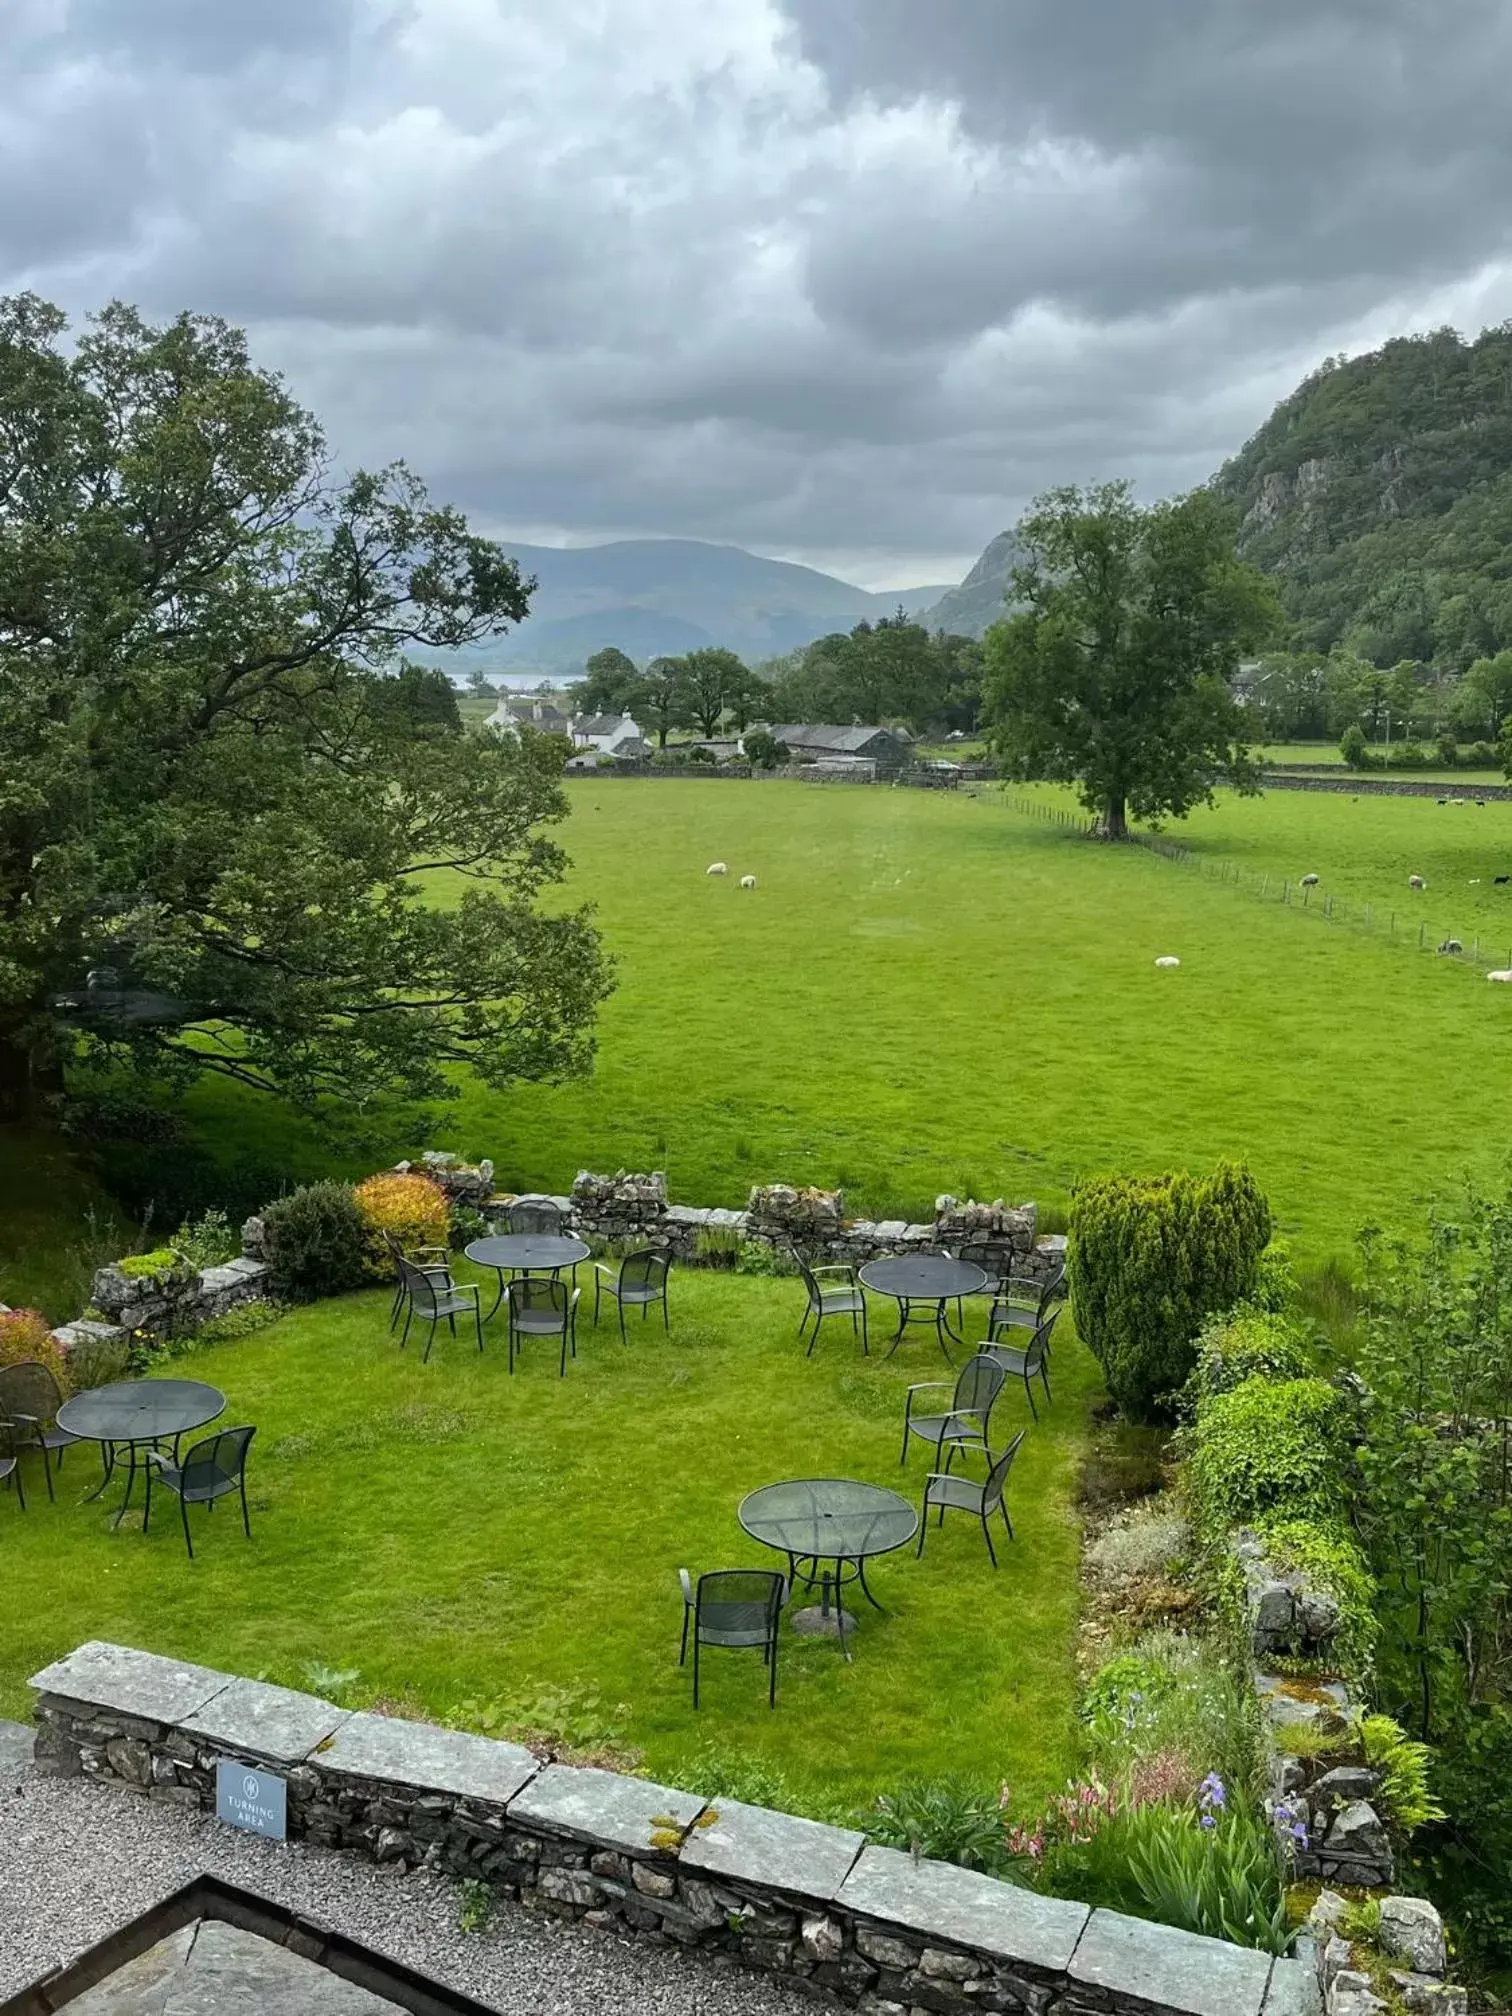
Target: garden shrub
{"points": [[1275, 1288], [951, 1819], [207, 1241], [1266, 1448], [1245, 1343], [25, 1335], [1333, 1563], [317, 1242], [410, 1207], [1404, 1797], [245, 1320], [1151, 1258], [1149, 1539]]}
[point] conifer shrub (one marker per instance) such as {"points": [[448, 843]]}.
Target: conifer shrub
{"points": [[1151, 1258], [317, 1242]]}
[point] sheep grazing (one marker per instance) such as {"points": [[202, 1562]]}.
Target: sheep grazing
{"points": [[1503, 973], [1416, 882], [1168, 961], [748, 881], [1451, 946], [1308, 882], [716, 868]]}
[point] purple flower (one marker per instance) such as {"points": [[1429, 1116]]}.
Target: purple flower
{"points": [[1211, 1791], [1207, 1820]]}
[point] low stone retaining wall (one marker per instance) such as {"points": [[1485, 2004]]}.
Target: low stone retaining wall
{"points": [[868, 1928], [1380, 787], [173, 1304], [634, 1207]]}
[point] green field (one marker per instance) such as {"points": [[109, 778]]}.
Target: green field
{"points": [[932, 992], [476, 1545]]}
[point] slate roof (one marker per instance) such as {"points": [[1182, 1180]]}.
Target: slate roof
{"points": [[829, 735]]}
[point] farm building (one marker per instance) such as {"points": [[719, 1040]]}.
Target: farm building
{"points": [[827, 743]]}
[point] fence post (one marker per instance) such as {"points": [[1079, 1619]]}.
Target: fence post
{"points": [[1263, 880], [1328, 906], [1306, 898], [1422, 927]]}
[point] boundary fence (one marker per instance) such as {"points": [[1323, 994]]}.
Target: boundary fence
{"points": [[1373, 919]]}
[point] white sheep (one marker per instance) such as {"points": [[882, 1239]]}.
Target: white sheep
{"points": [[1308, 882], [1416, 882], [1503, 973], [1167, 961], [748, 881], [716, 868]]}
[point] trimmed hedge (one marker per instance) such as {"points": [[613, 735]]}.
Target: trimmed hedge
{"points": [[1151, 1258]]}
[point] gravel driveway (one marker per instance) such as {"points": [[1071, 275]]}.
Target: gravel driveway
{"points": [[77, 1859]]}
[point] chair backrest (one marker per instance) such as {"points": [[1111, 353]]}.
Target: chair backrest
{"points": [[1046, 1328], [538, 1215], [536, 1293], [426, 1286], [997, 1477], [738, 1599], [219, 1459], [979, 1383], [647, 1269], [995, 1257], [807, 1272], [29, 1388]]}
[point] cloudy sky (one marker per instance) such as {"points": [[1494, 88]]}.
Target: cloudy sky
{"points": [[846, 281]]}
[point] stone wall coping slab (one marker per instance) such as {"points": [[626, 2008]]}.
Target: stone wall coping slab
{"points": [[777, 1850], [425, 1757], [1293, 1990], [265, 1721], [130, 1682], [601, 1806], [945, 1902], [1170, 1969]]}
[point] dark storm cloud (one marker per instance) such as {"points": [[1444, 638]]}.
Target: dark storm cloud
{"points": [[845, 279]]}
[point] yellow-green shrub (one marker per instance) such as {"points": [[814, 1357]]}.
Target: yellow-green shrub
{"points": [[410, 1207], [25, 1334]]}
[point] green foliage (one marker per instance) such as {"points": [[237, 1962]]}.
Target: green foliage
{"points": [[150, 1266], [950, 1819], [217, 812], [207, 1241], [466, 1226], [764, 751], [1331, 1559], [1265, 1448], [893, 670], [1115, 675], [572, 1720], [1220, 1879], [1406, 1799], [1123, 1687], [758, 1256], [234, 1325], [1470, 1851], [420, 702], [1275, 1290], [475, 1904], [719, 1770], [332, 1683], [1151, 1258], [610, 684], [1245, 1343], [317, 1241]]}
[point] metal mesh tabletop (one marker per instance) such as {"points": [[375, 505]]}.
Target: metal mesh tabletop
{"points": [[141, 1410], [532, 1252], [828, 1519], [924, 1277]]}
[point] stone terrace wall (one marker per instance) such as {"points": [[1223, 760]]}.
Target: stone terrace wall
{"points": [[865, 1927]]}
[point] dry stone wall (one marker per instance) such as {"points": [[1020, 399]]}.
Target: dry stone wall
{"points": [[864, 1927]]}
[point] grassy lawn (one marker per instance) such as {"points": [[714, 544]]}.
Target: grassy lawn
{"points": [[460, 1536]]}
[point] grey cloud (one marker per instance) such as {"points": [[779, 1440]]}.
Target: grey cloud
{"points": [[211, 35]]}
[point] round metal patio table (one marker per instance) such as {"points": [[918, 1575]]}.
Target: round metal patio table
{"points": [[138, 1415], [525, 1253], [922, 1285], [818, 1521]]}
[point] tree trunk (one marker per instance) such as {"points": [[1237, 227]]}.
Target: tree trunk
{"points": [[1115, 820]]}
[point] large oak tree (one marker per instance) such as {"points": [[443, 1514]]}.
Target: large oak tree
{"points": [[1114, 671], [223, 846]]}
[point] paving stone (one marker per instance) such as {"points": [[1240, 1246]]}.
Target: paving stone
{"points": [[602, 1807], [131, 1682], [1173, 1970], [942, 1901], [750, 1843], [215, 1969], [439, 1760], [1293, 1990], [273, 1722]]}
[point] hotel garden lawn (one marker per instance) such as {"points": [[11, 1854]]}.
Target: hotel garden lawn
{"points": [[503, 1552]]}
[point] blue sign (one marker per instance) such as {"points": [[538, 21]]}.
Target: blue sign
{"points": [[254, 1800]]}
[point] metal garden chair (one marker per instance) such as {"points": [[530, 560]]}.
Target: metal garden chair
{"points": [[214, 1468], [1029, 1360], [535, 1214], [541, 1305], [10, 1471], [945, 1493], [832, 1291], [965, 1423], [29, 1401], [431, 1294], [738, 1608], [417, 1256], [1020, 1303], [641, 1283]]}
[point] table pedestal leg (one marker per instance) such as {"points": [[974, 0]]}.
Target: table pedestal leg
{"points": [[824, 1619]]}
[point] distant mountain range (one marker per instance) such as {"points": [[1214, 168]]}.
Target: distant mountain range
{"points": [[966, 611], [655, 597]]}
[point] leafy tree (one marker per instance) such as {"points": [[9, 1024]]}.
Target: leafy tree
{"points": [[479, 686], [216, 823], [660, 696], [419, 701], [1353, 747], [764, 751], [1115, 674], [711, 679], [611, 682], [1490, 679]]}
